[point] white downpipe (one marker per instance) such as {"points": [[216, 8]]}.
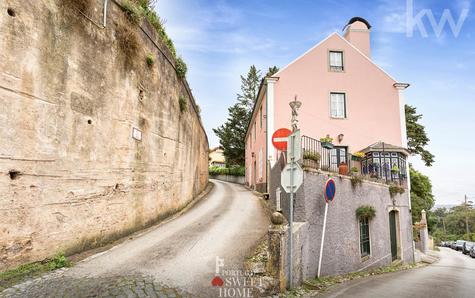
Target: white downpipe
{"points": [[270, 120], [104, 19]]}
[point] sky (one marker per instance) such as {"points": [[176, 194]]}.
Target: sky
{"points": [[220, 39]]}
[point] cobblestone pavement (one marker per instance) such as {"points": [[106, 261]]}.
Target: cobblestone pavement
{"points": [[57, 284]]}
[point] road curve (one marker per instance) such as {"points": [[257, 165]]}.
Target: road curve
{"points": [[177, 258], [452, 276]]}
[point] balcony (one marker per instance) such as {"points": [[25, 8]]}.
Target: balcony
{"points": [[382, 162]]}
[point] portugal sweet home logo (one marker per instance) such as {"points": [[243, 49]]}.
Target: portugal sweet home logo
{"points": [[234, 282]]}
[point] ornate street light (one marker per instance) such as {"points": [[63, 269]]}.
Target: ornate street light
{"points": [[295, 106]]}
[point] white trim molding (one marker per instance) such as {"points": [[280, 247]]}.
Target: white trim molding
{"points": [[270, 100]]}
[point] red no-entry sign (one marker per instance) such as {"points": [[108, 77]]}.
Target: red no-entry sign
{"points": [[280, 138]]}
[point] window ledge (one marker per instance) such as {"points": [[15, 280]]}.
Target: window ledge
{"points": [[365, 258]]}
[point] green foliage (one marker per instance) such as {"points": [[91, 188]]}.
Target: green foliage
{"points": [[421, 193], [327, 139], [180, 68], [451, 224], [182, 103], [133, 11], [354, 170], [356, 180], [137, 10], [233, 171], [395, 189], [365, 211], [58, 261], [31, 270], [150, 60], [417, 138], [232, 134], [272, 71], [315, 156]]}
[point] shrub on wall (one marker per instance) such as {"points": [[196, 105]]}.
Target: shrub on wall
{"points": [[365, 211], [150, 60], [232, 171], [137, 10], [180, 68], [182, 103], [395, 189]]}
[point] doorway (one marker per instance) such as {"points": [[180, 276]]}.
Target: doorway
{"points": [[393, 235]]}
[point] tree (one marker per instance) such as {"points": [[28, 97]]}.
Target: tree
{"points": [[421, 194], [249, 89], [416, 136], [232, 133], [272, 71]]}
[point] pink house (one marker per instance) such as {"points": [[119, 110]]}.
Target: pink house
{"points": [[345, 95]]}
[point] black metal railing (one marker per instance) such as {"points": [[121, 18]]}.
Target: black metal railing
{"points": [[316, 156]]}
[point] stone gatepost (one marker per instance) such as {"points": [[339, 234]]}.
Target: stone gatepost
{"points": [[424, 233], [277, 249]]}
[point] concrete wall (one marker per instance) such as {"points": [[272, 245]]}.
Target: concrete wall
{"points": [[341, 252], [71, 92], [230, 178]]}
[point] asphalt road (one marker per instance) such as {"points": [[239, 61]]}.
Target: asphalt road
{"points": [[452, 276], [176, 259]]}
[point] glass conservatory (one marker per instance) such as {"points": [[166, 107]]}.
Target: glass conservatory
{"points": [[386, 162]]}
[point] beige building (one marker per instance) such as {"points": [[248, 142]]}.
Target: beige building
{"points": [[216, 157]]}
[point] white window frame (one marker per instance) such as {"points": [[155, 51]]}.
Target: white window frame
{"points": [[336, 68], [345, 106]]}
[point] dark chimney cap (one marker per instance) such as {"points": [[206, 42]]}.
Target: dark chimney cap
{"points": [[358, 19]]}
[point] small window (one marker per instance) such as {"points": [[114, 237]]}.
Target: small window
{"points": [[364, 237], [338, 105], [336, 61]]}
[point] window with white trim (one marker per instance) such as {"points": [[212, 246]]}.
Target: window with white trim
{"points": [[365, 247], [336, 61], [338, 105]]}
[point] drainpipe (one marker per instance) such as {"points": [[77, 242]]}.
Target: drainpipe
{"points": [[104, 20]]}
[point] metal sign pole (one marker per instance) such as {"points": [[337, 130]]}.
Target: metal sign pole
{"points": [[323, 239], [291, 215]]}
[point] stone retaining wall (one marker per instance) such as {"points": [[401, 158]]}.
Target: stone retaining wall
{"points": [[94, 143]]}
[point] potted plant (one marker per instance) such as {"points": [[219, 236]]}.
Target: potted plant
{"points": [[358, 156], [343, 168], [327, 142], [395, 169], [354, 170], [311, 159]]}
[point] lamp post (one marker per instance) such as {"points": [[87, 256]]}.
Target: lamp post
{"points": [[294, 105]]}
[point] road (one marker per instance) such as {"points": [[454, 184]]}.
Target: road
{"points": [[452, 276], [175, 259]]}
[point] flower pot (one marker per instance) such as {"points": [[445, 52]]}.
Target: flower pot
{"points": [[327, 145], [343, 169], [311, 163]]}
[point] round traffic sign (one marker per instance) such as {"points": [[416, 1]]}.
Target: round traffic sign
{"points": [[330, 190], [280, 138]]}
